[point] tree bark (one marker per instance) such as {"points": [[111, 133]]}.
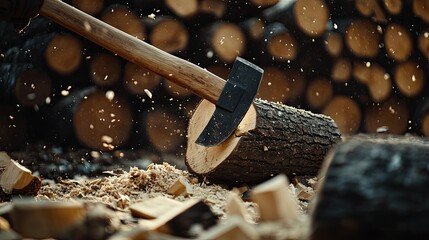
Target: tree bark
{"points": [[271, 139], [373, 188]]}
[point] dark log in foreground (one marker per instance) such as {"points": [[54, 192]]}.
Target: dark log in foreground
{"points": [[374, 188], [271, 139]]}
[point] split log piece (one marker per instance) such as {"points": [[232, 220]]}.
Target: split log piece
{"points": [[279, 42], [363, 38], [410, 78], [341, 69], [154, 207], [234, 206], [375, 78], [345, 112], [45, 219], [138, 80], [421, 9], [16, 179], [318, 93], [372, 189], [13, 128], [423, 43], [390, 116], [216, 8], [275, 201], [105, 69], [181, 187], [168, 34], [64, 53], [232, 228], [183, 8], [372, 9], [271, 139], [398, 42], [91, 7], [125, 19], [275, 85], [25, 84]]}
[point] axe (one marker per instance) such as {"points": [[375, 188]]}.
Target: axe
{"points": [[232, 97]]}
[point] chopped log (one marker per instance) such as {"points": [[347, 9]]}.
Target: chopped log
{"points": [[181, 187], [234, 206], [279, 42], [91, 7], [16, 180], [271, 139], [375, 78], [398, 42], [345, 112], [125, 19], [275, 85], [318, 93], [363, 38], [102, 120], [225, 40], [423, 43], [105, 69], [168, 34], [421, 9], [232, 228], [13, 128], [25, 84], [390, 116], [45, 219], [409, 78], [371, 9], [275, 201], [165, 129], [183, 8], [341, 70], [333, 43], [216, 8], [153, 208], [64, 53], [139, 80], [254, 28], [393, 7], [372, 189]]}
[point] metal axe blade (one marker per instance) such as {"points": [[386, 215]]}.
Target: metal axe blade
{"points": [[237, 96]]}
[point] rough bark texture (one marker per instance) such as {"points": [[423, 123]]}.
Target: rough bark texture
{"points": [[374, 188], [285, 140]]}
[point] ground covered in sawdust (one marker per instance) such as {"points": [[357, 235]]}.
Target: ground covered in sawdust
{"points": [[120, 188]]}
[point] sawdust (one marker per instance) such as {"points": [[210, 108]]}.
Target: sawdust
{"points": [[119, 189]]}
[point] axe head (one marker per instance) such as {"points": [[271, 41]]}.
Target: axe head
{"points": [[236, 97]]}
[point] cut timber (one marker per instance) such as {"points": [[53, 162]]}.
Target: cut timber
{"points": [[390, 116], [373, 188], [124, 19], [423, 43], [105, 69], [341, 70], [181, 187], [13, 128], [362, 38], [375, 78], [139, 80], [275, 201], [421, 9], [334, 43], [64, 53], [319, 93], [102, 120], [45, 219], [92, 7], [227, 41], [409, 78], [373, 9], [16, 179], [215, 7], [168, 34], [398, 42], [394, 7], [274, 85], [232, 228], [311, 16], [345, 112], [280, 43], [153, 208], [271, 139], [165, 130], [183, 8]]}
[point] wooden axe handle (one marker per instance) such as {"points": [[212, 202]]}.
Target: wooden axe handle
{"points": [[188, 75]]}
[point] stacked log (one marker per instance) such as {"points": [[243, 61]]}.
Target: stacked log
{"points": [[360, 62]]}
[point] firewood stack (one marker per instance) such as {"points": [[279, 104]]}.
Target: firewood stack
{"points": [[364, 63]]}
